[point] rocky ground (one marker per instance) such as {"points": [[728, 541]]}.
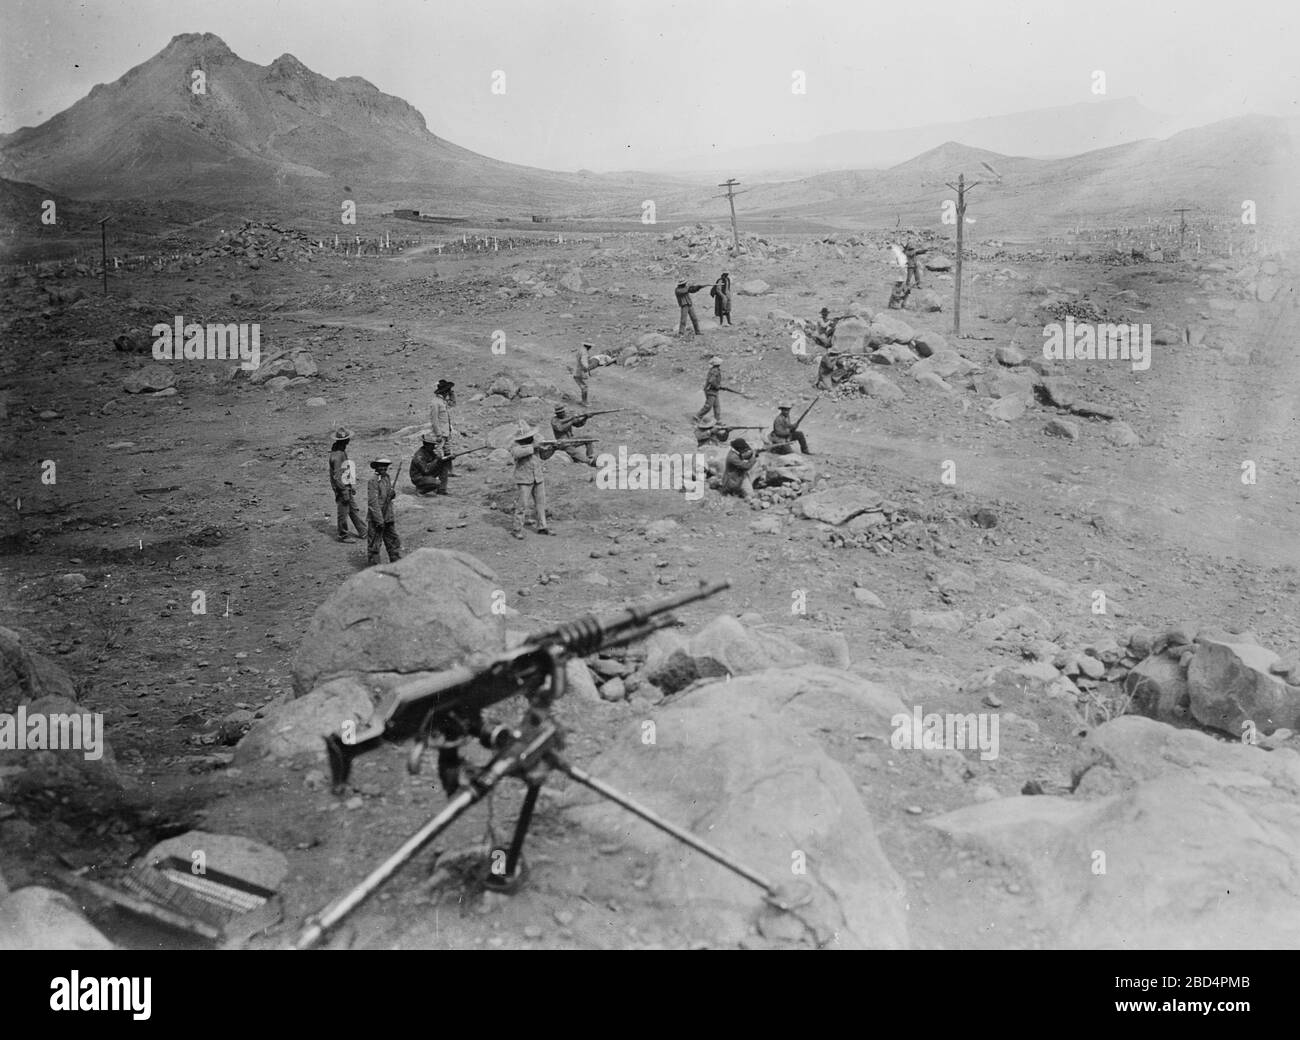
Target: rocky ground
{"points": [[969, 504]]}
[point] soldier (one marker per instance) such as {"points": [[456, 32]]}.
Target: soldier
{"points": [[428, 470], [381, 514], [562, 427], [783, 431], [343, 481], [583, 366], [825, 329], [721, 293], [740, 460], [828, 367], [707, 431], [684, 301], [898, 295], [912, 251], [712, 384], [530, 478]]}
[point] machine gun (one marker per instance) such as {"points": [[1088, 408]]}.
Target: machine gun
{"points": [[447, 706]]}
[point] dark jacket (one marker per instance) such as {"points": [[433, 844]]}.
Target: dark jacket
{"points": [[738, 466], [425, 466], [379, 500], [713, 381]]}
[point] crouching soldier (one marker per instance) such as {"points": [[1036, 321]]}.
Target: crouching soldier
{"points": [[381, 514], [562, 427], [428, 470], [740, 460]]}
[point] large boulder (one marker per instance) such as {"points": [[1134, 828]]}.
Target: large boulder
{"points": [[1098, 863], [885, 328], [725, 647], [27, 676], [150, 379], [1158, 688], [851, 336], [753, 287], [420, 613], [927, 343], [300, 726], [875, 385], [838, 505], [779, 469], [937, 262], [36, 918], [1229, 683], [732, 759], [944, 364]]}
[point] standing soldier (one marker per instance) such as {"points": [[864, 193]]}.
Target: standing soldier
{"points": [[721, 293], [343, 480], [783, 431], [444, 400], [712, 384], [562, 427], [911, 251], [687, 305], [740, 460], [530, 478], [582, 368], [381, 514]]}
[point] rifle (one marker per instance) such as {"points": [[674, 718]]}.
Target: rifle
{"points": [[739, 393], [448, 705], [805, 413], [592, 415], [467, 451], [570, 442], [729, 430]]}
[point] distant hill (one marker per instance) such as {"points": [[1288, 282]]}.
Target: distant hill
{"points": [[1045, 133], [281, 133], [1212, 168]]}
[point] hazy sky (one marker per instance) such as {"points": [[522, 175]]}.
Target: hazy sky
{"points": [[610, 84]]}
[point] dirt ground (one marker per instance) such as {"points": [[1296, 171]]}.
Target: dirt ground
{"points": [[223, 488]]}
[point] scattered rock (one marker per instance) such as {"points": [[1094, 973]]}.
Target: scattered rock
{"points": [[1062, 428], [838, 505], [1229, 682], [150, 379]]}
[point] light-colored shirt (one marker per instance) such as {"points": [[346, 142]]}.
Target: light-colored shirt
{"points": [[529, 467], [440, 417]]}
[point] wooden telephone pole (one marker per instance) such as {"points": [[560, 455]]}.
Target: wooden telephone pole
{"points": [[103, 249], [961, 187], [730, 185], [1182, 227]]}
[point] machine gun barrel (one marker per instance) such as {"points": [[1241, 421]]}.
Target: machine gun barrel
{"points": [[482, 680]]}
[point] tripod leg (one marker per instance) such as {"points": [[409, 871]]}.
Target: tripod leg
{"points": [[509, 881]]}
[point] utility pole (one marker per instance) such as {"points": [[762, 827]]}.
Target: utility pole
{"points": [[103, 249], [1182, 227], [961, 187], [730, 185]]}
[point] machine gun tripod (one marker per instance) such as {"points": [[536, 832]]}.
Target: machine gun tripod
{"points": [[448, 707]]}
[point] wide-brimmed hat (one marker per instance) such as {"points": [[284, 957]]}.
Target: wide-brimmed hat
{"points": [[825, 310], [740, 444], [707, 423], [560, 409], [430, 438], [525, 432], [342, 434], [783, 407], [376, 463], [443, 384], [715, 361]]}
